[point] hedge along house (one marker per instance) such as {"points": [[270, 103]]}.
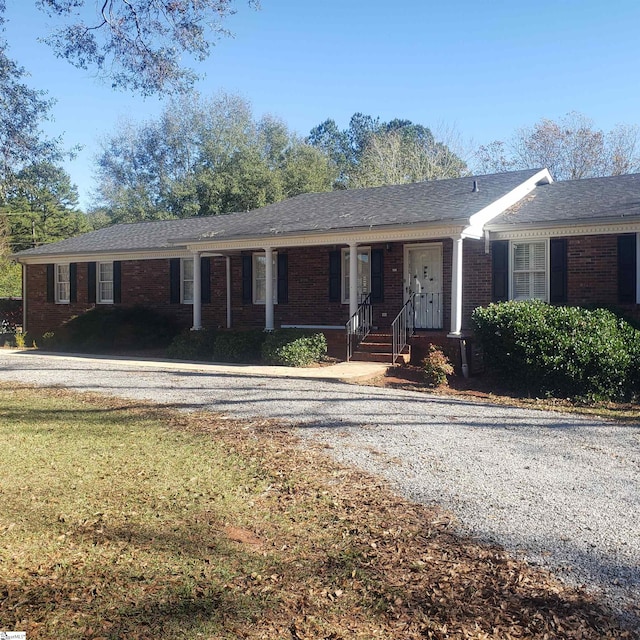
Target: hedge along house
{"points": [[400, 259]]}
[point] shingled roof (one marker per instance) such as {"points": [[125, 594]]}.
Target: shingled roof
{"points": [[439, 201], [611, 199]]}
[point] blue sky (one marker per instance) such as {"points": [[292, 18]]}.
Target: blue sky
{"points": [[483, 67]]}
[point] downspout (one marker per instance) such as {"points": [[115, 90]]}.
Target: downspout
{"points": [[463, 357]]}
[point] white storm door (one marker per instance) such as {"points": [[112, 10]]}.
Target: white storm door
{"points": [[423, 281]]}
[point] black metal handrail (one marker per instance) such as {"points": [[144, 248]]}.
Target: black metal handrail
{"points": [[359, 325], [402, 328]]}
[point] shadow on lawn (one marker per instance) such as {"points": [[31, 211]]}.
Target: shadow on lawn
{"points": [[408, 580]]}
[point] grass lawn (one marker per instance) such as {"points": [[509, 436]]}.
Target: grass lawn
{"points": [[125, 520]]}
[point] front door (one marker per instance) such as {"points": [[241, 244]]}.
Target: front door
{"points": [[423, 282]]}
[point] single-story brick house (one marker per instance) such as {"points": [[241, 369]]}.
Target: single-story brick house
{"points": [[409, 257]]}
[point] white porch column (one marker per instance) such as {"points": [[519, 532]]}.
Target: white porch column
{"points": [[353, 278], [197, 293], [456, 288], [268, 295], [228, 265]]}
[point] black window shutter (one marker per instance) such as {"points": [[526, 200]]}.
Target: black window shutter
{"points": [[51, 283], [558, 268], [205, 280], [500, 270], [335, 273], [91, 281], [283, 278], [174, 280], [73, 282], [377, 275], [627, 269], [247, 276], [117, 281]]}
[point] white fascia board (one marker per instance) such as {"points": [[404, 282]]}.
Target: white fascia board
{"points": [[482, 217], [359, 236], [66, 258], [213, 247], [514, 232]]}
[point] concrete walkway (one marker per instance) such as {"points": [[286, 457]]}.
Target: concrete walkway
{"points": [[342, 371]]}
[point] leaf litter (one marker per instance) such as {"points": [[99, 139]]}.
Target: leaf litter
{"points": [[300, 547]]}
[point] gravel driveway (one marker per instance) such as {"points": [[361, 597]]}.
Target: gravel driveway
{"points": [[562, 491]]}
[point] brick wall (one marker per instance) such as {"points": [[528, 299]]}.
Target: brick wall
{"points": [[146, 283], [476, 274], [592, 278], [592, 270]]}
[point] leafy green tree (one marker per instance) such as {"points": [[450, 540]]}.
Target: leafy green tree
{"points": [[571, 148], [22, 111], [205, 157], [10, 279], [41, 206], [373, 153], [137, 44]]}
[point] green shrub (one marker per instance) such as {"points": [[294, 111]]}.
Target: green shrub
{"points": [[559, 351], [436, 367], [294, 347], [238, 346], [192, 345], [47, 340], [105, 329]]}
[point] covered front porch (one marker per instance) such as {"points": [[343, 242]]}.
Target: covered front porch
{"points": [[348, 291]]}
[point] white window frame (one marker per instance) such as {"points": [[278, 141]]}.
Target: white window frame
{"points": [[184, 298], [100, 298], [362, 294], [257, 258], [512, 247], [62, 287]]}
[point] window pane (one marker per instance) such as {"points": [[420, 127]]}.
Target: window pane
{"points": [[261, 290], [521, 286], [62, 283], [187, 269], [260, 276], [106, 291], [530, 271], [364, 275], [539, 286], [63, 273], [187, 291], [520, 257], [105, 282], [106, 271], [537, 259]]}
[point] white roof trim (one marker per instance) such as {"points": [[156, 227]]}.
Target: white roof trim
{"points": [[482, 217], [555, 231], [342, 237]]}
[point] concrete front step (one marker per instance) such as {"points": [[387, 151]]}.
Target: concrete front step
{"points": [[377, 347], [371, 356], [380, 356]]}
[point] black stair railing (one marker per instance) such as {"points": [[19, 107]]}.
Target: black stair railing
{"points": [[359, 325], [402, 328]]}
